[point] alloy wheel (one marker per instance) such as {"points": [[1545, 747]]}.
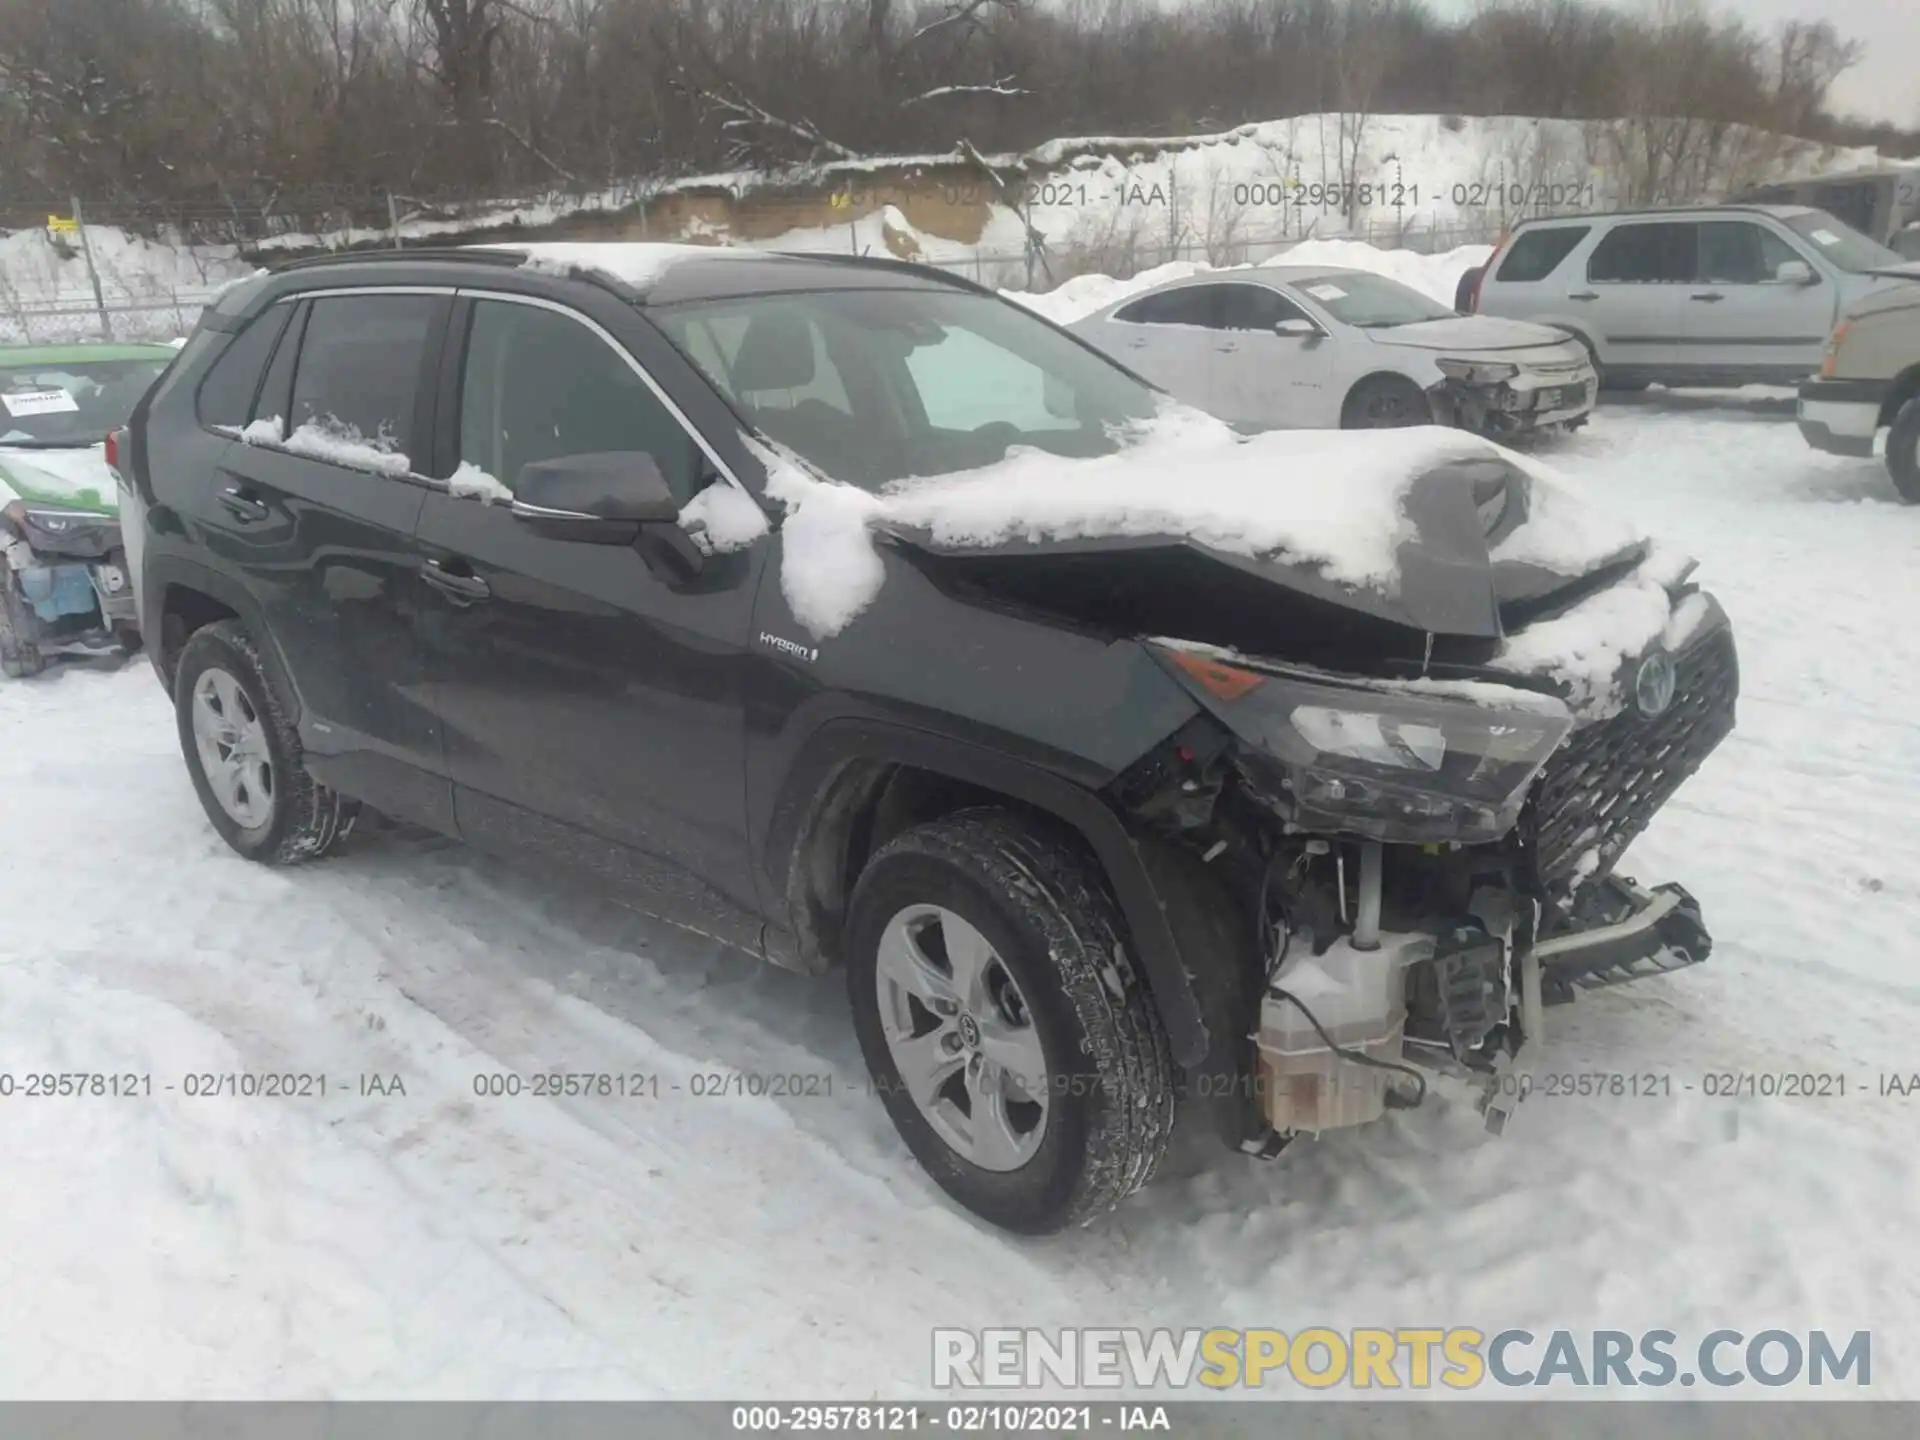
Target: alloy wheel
{"points": [[232, 745], [962, 1037]]}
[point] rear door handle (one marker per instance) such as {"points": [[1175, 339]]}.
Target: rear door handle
{"points": [[461, 589], [1584, 295], [1227, 348], [1708, 297], [240, 502]]}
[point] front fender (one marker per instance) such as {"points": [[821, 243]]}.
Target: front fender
{"points": [[840, 752]]}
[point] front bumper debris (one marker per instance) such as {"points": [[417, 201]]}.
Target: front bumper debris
{"points": [[1529, 401]]}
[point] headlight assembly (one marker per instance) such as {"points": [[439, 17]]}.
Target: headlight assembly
{"points": [[1478, 372], [53, 519], [1387, 764]]}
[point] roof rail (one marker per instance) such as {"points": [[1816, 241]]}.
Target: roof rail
{"points": [[477, 254], [886, 262]]}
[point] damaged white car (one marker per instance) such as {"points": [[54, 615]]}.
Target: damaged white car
{"points": [[1281, 346]]}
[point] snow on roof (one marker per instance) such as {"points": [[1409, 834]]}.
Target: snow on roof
{"points": [[634, 262]]}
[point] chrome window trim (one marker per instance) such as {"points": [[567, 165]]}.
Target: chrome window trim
{"points": [[720, 466]]}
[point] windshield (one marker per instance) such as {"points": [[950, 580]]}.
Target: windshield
{"points": [[1370, 302], [1840, 243], [70, 403], [872, 386]]}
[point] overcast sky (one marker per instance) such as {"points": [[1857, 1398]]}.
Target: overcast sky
{"points": [[1885, 85]]}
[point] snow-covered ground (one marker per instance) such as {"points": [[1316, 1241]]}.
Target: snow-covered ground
{"points": [[440, 1243]]}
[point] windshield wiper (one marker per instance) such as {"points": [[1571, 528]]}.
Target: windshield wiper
{"points": [[81, 444]]}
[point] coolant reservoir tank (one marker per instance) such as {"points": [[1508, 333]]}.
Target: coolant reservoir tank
{"points": [[1359, 998]]}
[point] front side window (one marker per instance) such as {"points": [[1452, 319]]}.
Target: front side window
{"points": [[539, 384], [1252, 307], [358, 375], [1739, 252], [68, 401], [1661, 253], [933, 380]]}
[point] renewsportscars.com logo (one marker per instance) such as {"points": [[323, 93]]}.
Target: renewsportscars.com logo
{"points": [[1322, 1358]]}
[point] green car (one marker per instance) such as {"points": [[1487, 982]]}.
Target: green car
{"points": [[63, 573]]}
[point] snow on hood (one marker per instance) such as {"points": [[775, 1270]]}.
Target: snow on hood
{"points": [[1327, 512], [78, 477], [1471, 332]]}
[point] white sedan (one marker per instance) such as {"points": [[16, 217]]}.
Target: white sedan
{"points": [[1320, 347]]}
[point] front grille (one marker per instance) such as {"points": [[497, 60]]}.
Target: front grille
{"points": [[1605, 784]]}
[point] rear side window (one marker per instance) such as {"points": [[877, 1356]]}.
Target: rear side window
{"points": [[1536, 254], [1191, 306], [1661, 253], [227, 394], [358, 374]]}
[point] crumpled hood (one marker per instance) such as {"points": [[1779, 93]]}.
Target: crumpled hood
{"points": [[78, 478], [1469, 537], [1469, 333]]}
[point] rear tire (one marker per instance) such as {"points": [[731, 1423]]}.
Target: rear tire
{"points": [[244, 754], [1903, 451], [1385, 402], [982, 938]]}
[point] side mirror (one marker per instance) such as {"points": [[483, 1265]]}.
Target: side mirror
{"points": [[601, 499], [1297, 329], [1795, 272]]}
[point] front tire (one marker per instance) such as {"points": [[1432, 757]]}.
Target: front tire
{"points": [[1903, 451], [1004, 1023], [20, 658], [244, 754], [1385, 402]]}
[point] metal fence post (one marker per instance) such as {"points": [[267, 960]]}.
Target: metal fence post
{"points": [[393, 220], [93, 274]]}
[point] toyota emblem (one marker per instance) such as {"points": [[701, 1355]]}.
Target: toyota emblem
{"points": [[1653, 684]]}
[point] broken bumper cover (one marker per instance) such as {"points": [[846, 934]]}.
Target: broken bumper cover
{"points": [[1629, 934], [1527, 401]]}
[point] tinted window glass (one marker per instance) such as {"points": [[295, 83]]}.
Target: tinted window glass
{"points": [[1645, 254], [539, 385], [1252, 307], [1191, 306], [226, 395], [1738, 252], [359, 368], [1537, 253]]}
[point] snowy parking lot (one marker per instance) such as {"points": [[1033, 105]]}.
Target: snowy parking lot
{"points": [[407, 1234]]}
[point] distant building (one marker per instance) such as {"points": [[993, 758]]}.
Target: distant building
{"points": [[1883, 203]]}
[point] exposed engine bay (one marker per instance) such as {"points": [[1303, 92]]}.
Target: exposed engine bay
{"points": [[1428, 867]]}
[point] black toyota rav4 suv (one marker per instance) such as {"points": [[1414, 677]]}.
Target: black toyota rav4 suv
{"points": [[1103, 829]]}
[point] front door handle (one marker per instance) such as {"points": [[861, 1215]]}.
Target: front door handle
{"points": [[241, 503], [1708, 297], [1226, 348], [461, 589], [1584, 295]]}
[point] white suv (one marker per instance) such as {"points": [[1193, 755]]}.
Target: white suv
{"points": [[1710, 295]]}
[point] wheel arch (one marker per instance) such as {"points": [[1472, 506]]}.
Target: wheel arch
{"points": [[1904, 387], [857, 782], [184, 597]]}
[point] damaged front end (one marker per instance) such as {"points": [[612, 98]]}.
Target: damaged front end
{"points": [[63, 586], [1499, 399], [1428, 863]]}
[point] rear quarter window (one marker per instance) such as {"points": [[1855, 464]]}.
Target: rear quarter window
{"points": [[227, 393], [1536, 254]]}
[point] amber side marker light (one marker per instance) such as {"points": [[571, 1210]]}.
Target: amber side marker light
{"points": [[1223, 682]]}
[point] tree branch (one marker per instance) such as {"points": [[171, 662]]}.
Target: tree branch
{"points": [[1001, 87]]}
